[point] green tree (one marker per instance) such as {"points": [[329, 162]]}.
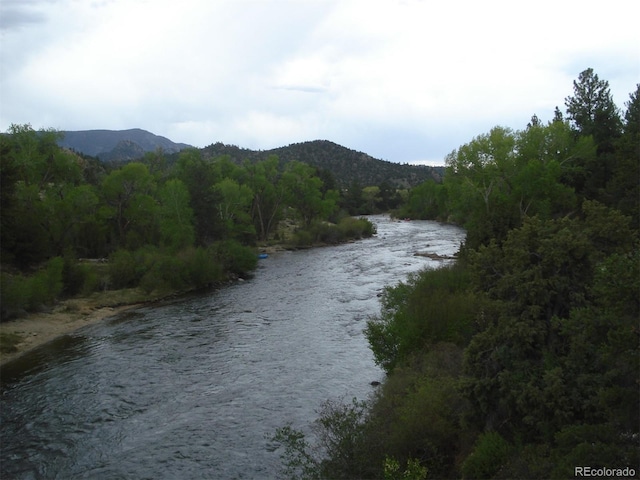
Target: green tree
{"points": [[127, 192], [624, 188], [535, 281], [233, 208], [592, 111], [304, 193], [268, 195], [199, 176], [176, 216]]}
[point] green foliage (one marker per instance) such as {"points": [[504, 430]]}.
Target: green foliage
{"points": [[339, 452], [418, 412], [29, 293], [348, 228], [414, 470], [592, 110], [489, 454], [125, 269], [235, 257], [297, 460], [356, 228], [76, 277], [176, 215], [433, 306], [160, 270], [427, 201]]}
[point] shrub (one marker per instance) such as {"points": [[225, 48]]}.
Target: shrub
{"points": [[29, 293], [166, 273], [13, 295], [432, 306], [123, 271], [77, 278], [356, 227], [234, 257], [489, 454], [302, 238], [201, 267], [45, 285]]}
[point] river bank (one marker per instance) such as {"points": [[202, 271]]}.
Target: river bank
{"points": [[36, 329]]}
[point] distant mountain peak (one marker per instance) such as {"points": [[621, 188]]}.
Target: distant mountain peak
{"points": [[108, 144]]}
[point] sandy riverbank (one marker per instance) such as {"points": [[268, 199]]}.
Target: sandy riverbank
{"points": [[36, 329]]}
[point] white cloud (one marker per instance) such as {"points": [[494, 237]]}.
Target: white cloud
{"points": [[397, 79]]}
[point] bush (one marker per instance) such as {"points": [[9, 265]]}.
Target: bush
{"points": [[20, 293], [77, 278], [123, 271], [339, 453], [167, 273], [432, 306], [202, 268], [13, 295], [234, 257], [350, 227], [303, 238], [489, 454]]}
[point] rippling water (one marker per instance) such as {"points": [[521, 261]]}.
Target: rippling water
{"points": [[191, 389]]}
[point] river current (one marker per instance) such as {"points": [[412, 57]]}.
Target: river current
{"points": [[193, 389]]}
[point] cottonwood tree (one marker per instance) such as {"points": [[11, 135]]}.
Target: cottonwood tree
{"points": [[176, 215], [127, 192], [268, 194]]}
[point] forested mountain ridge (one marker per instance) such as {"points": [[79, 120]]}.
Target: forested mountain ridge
{"points": [[346, 165], [110, 145]]}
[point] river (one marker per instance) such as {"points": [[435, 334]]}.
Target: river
{"points": [[193, 388]]}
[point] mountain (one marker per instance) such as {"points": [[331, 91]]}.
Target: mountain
{"points": [[346, 165], [111, 145]]}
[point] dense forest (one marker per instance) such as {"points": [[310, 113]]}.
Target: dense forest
{"points": [[72, 225], [521, 359]]}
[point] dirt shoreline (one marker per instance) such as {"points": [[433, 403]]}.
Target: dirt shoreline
{"points": [[37, 329]]}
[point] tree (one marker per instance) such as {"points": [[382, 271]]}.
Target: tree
{"points": [[176, 216], [539, 279], [304, 193], [127, 191], [268, 194], [592, 111], [479, 181], [199, 176], [624, 186], [233, 207]]}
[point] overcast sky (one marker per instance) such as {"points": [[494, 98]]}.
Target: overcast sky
{"points": [[402, 80]]}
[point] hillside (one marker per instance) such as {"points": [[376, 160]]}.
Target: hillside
{"points": [[346, 165], [113, 145]]}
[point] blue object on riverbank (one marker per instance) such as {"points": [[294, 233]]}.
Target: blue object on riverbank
{"points": [[263, 255]]}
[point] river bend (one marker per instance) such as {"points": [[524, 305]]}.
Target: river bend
{"points": [[191, 389]]}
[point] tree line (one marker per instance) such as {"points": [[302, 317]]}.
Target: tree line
{"points": [[158, 225], [521, 359]]}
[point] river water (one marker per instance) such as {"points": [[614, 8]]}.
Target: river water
{"points": [[192, 389]]}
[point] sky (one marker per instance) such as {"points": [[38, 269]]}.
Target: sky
{"points": [[403, 80]]}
